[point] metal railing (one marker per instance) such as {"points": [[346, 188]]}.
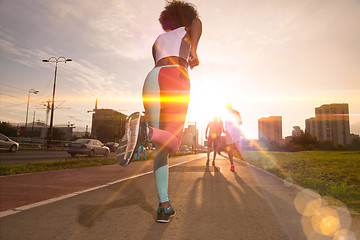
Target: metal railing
{"points": [[39, 143]]}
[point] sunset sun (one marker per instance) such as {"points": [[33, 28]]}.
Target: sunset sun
{"points": [[208, 102]]}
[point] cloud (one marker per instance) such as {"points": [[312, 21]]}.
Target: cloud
{"points": [[25, 56], [121, 31], [82, 73], [112, 26], [8, 46]]}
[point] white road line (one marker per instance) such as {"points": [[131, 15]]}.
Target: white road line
{"points": [[51, 200]]}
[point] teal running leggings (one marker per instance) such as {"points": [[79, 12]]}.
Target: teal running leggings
{"points": [[166, 94]]}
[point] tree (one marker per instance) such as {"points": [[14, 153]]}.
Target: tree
{"points": [[301, 142], [7, 129], [355, 143]]}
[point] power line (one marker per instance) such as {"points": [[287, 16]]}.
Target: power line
{"points": [[14, 105], [19, 89], [11, 91], [17, 104], [10, 95], [22, 91]]}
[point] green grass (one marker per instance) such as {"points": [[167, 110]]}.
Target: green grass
{"points": [[55, 165], [334, 175], [65, 164]]}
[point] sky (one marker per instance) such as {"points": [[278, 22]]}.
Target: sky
{"points": [[266, 57]]}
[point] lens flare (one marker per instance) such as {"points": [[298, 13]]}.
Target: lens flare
{"points": [[320, 220], [326, 221], [344, 234], [269, 162], [307, 202], [288, 181]]}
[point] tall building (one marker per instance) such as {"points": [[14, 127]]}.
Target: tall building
{"points": [[270, 129], [108, 125], [190, 136], [331, 122], [311, 127]]}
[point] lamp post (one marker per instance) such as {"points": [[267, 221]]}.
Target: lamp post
{"points": [[27, 108], [56, 61]]}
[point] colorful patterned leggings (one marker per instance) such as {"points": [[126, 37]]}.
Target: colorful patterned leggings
{"points": [[166, 94]]}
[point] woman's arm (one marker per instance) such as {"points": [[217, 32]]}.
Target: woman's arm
{"points": [[206, 134], [195, 34], [153, 53]]}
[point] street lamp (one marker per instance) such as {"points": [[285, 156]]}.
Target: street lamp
{"points": [[27, 108], [56, 61]]}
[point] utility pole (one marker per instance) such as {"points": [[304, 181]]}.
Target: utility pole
{"points": [[56, 61]]}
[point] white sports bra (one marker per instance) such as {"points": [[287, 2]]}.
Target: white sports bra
{"points": [[173, 43]]}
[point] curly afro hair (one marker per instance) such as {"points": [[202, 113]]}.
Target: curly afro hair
{"points": [[177, 14]]}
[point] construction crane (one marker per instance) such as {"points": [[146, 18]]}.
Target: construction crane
{"points": [[47, 106]]}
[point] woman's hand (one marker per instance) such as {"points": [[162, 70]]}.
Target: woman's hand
{"points": [[195, 34], [193, 59]]}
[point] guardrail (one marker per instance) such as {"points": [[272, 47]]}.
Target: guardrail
{"points": [[40, 143]]}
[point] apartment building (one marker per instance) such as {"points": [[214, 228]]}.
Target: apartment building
{"points": [[190, 136], [331, 122], [270, 129]]}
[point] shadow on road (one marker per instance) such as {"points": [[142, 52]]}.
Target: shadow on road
{"points": [[223, 205], [130, 195], [211, 203]]}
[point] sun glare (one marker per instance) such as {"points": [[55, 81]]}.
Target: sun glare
{"points": [[209, 100], [207, 103]]}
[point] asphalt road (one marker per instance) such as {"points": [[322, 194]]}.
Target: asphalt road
{"points": [[210, 202], [34, 156]]}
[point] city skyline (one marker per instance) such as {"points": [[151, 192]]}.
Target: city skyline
{"points": [[273, 58]]}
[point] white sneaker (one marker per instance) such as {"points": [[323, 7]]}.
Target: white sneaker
{"points": [[129, 142]]}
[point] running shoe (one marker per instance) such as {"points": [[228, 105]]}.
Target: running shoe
{"points": [[143, 131], [130, 142], [207, 162], [164, 214], [213, 163], [232, 168]]}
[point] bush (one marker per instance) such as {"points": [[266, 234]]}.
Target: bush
{"points": [[305, 140]]}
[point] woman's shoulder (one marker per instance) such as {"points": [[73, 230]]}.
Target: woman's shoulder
{"points": [[178, 32], [174, 31]]}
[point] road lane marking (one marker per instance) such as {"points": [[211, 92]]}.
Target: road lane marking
{"points": [[52, 200]]}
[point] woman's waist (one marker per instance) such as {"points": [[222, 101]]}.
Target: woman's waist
{"points": [[172, 61]]}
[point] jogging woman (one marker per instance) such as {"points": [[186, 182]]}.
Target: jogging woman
{"points": [[166, 92]]}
